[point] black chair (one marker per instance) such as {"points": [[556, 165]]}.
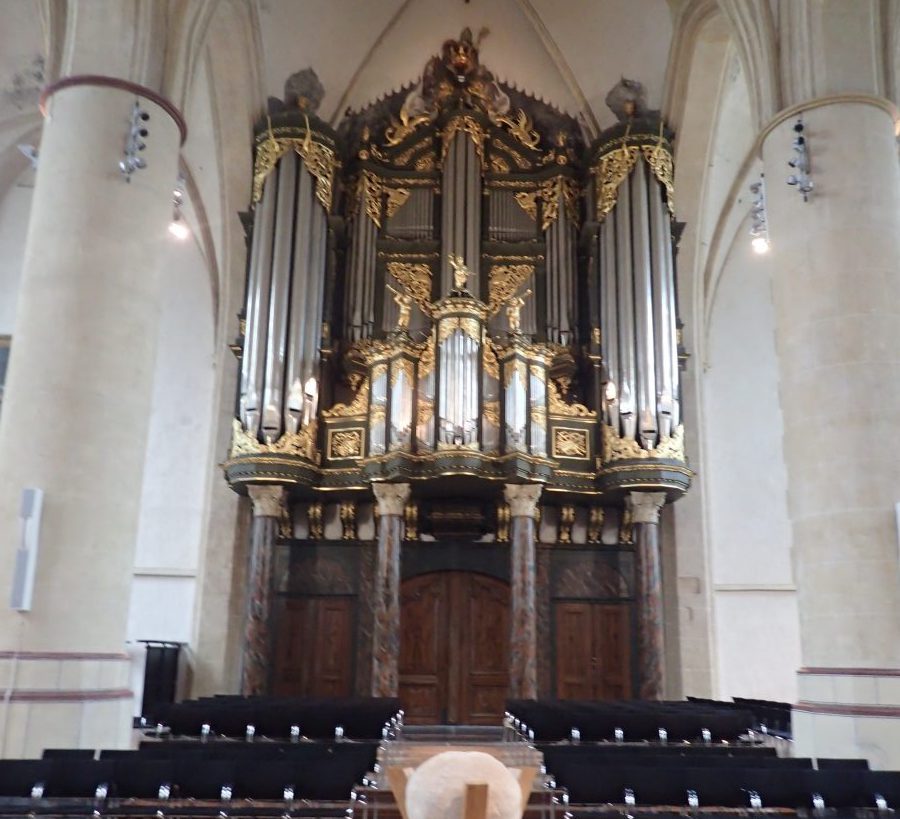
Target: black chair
{"points": [[264, 779], [203, 779], [68, 753], [80, 778], [842, 764], [18, 776], [883, 783], [839, 789], [138, 778]]}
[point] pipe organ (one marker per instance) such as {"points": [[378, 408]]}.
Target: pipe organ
{"points": [[454, 290]]}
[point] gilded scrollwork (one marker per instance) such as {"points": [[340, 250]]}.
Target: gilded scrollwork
{"points": [[612, 169], [659, 158], [561, 408], [345, 443], [398, 131], [301, 443], [527, 200], [355, 408], [371, 191], [520, 127], [617, 448], [504, 281], [491, 365], [468, 326], [319, 160], [416, 278], [396, 199], [468, 125], [491, 412], [560, 191], [426, 358], [570, 443]]}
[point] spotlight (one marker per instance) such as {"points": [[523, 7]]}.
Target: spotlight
{"points": [[134, 142], [760, 244], [178, 228]]}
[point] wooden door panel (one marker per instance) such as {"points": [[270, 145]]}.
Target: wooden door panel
{"points": [[314, 648], [593, 651], [423, 648], [612, 648], [485, 646]]}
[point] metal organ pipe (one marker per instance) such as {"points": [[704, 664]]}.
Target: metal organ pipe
{"points": [[663, 315], [643, 309], [260, 277], [624, 274], [278, 302], [609, 304]]}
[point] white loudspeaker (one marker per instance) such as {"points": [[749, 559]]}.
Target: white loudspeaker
{"points": [[27, 553]]}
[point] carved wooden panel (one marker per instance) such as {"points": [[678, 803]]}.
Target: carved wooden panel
{"points": [[593, 651], [314, 648], [454, 648]]}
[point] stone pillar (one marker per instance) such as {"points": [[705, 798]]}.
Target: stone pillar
{"points": [[836, 291], [522, 500], [256, 657], [75, 411], [644, 508], [391, 499]]}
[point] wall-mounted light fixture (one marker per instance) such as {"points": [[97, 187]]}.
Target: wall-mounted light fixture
{"points": [[800, 162], [759, 230], [178, 227]]}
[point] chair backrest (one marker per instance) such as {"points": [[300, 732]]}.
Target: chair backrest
{"points": [[18, 776]]}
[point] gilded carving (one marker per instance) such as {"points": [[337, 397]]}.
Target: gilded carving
{"points": [[520, 127], [396, 199], [504, 281], [301, 443], [398, 131], [566, 521], [401, 366], [348, 520], [617, 448], [426, 359], [539, 416], [491, 412], [570, 443], [416, 278], [560, 407], [370, 190], [467, 125], [559, 192], [595, 524], [319, 160], [424, 411], [356, 407], [499, 164], [612, 169], [659, 159], [527, 200], [411, 521], [468, 326], [424, 163], [491, 365], [314, 517], [345, 443], [503, 518]]}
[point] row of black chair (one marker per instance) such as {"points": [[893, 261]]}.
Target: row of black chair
{"points": [[326, 777], [768, 715], [728, 788], [637, 721], [361, 718]]}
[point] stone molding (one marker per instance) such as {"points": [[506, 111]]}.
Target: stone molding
{"points": [[268, 501], [522, 499], [645, 506], [391, 497]]}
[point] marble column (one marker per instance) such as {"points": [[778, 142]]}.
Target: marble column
{"points": [[836, 293], [75, 410], [522, 500], [391, 499], [256, 656], [645, 508]]}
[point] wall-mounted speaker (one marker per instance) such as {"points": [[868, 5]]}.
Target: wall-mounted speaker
{"points": [[27, 553]]}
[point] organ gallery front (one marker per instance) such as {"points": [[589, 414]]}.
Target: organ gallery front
{"points": [[458, 415]]}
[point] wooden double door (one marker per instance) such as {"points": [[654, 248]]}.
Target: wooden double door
{"points": [[454, 648], [593, 651]]}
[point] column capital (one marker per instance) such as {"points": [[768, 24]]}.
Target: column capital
{"points": [[645, 506], [522, 499], [391, 497], [268, 501]]}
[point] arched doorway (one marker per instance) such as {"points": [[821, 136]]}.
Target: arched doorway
{"points": [[454, 648]]}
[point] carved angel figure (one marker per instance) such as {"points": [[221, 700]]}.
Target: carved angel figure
{"points": [[514, 311]]}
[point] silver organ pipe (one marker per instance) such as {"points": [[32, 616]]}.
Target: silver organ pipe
{"points": [[637, 300], [258, 299], [461, 210], [643, 309], [278, 300]]}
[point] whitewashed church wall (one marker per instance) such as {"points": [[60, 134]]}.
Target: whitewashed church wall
{"points": [[756, 620], [15, 208], [175, 472]]}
